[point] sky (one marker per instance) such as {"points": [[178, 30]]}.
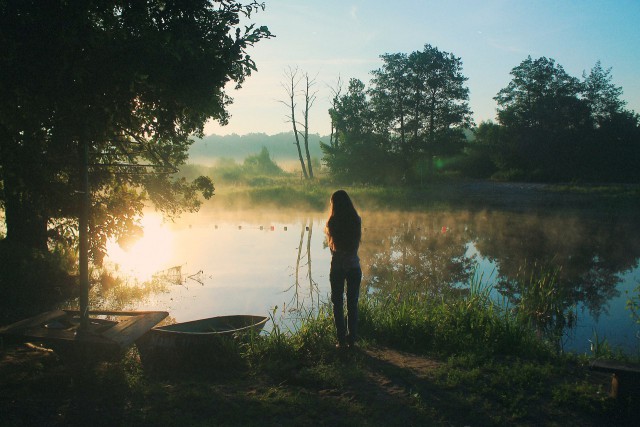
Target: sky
{"points": [[331, 39]]}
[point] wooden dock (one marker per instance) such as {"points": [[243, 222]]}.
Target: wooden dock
{"points": [[106, 337]]}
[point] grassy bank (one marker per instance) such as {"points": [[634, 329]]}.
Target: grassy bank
{"points": [[421, 361], [287, 192]]}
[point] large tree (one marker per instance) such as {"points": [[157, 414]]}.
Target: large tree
{"points": [[130, 80], [423, 98], [602, 96], [541, 97], [414, 111], [545, 115], [556, 127], [355, 151]]}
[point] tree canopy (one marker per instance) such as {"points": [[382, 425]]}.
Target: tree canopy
{"points": [[557, 127], [414, 121], [133, 80], [415, 111]]}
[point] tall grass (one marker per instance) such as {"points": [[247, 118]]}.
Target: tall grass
{"points": [[541, 300], [467, 323], [286, 349], [472, 323]]}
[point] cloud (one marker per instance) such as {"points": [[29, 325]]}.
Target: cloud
{"points": [[354, 13]]}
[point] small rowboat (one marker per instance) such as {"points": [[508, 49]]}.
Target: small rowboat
{"points": [[195, 345]]}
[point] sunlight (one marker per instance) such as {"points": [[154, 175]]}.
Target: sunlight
{"points": [[150, 254]]}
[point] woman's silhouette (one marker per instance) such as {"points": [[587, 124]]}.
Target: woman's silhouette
{"points": [[344, 230]]}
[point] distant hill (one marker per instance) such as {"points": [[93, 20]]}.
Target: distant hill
{"points": [[281, 147]]}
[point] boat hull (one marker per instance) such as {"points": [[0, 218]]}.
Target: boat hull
{"points": [[196, 346]]}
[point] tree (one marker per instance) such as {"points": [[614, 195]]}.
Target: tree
{"points": [[613, 144], [291, 88], [354, 152], [390, 97], [559, 128], [261, 164], [309, 100], [541, 97], [602, 96], [546, 117], [132, 81], [424, 99]]}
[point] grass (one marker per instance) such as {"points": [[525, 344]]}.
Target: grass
{"points": [[458, 360]]}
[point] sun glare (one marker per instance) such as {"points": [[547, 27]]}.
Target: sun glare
{"points": [[150, 254]]}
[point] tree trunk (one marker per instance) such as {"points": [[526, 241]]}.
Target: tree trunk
{"points": [[306, 144], [297, 143], [24, 217], [309, 99]]}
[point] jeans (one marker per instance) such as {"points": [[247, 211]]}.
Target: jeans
{"points": [[337, 278]]}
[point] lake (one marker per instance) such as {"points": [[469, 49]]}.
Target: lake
{"points": [[258, 262]]}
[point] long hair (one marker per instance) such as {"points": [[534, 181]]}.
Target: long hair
{"points": [[343, 227]]}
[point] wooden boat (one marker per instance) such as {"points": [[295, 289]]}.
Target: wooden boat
{"points": [[106, 336], [196, 345]]}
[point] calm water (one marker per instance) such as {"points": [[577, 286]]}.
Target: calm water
{"points": [[215, 263]]}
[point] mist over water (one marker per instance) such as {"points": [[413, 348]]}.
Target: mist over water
{"points": [[257, 262]]}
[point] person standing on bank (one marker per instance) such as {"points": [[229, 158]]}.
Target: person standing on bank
{"points": [[344, 230]]}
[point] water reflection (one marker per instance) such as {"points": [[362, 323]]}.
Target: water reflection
{"points": [[556, 268], [253, 262], [303, 268], [428, 252]]}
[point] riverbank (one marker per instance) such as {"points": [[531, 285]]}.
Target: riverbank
{"points": [[370, 386], [470, 195], [420, 361]]}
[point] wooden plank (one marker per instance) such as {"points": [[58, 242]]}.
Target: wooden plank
{"points": [[35, 321], [112, 312], [127, 331], [100, 335]]}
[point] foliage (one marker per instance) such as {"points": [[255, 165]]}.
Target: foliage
{"points": [[415, 111], [409, 126], [542, 300], [257, 170], [31, 281], [554, 127], [132, 81], [482, 359], [633, 303], [261, 164]]}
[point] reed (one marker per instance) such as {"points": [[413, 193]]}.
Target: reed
{"points": [[472, 323], [543, 302]]}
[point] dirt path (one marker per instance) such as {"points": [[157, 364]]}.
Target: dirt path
{"points": [[403, 389]]}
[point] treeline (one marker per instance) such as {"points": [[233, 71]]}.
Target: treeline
{"points": [[413, 123], [256, 169], [208, 149]]}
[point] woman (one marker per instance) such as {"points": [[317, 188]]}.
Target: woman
{"points": [[343, 233]]}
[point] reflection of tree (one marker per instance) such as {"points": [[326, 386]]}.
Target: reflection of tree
{"points": [[591, 252], [424, 253], [111, 292], [547, 265], [541, 301], [297, 299]]}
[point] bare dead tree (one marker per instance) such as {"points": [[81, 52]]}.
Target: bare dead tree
{"points": [[290, 87], [309, 99]]}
